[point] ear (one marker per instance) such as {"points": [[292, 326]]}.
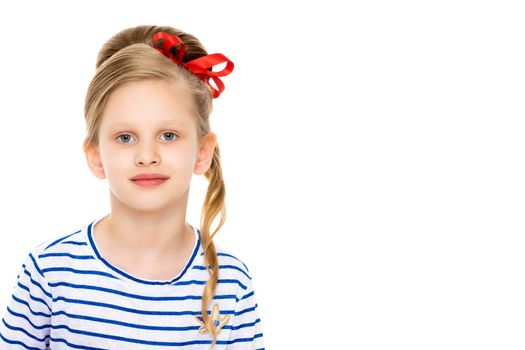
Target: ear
{"points": [[205, 157], [93, 160]]}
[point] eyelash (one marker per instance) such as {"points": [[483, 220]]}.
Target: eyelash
{"points": [[167, 132]]}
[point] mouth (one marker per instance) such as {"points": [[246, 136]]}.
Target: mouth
{"points": [[149, 176], [149, 182]]}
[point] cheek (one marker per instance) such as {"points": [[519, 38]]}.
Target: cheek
{"points": [[178, 161], [116, 162]]}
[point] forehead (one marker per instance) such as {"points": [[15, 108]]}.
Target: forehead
{"points": [[149, 103], [146, 124]]}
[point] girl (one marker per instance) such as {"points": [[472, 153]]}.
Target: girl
{"points": [[141, 277]]}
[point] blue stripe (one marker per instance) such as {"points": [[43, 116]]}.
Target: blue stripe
{"points": [[141, 326], [157, 343], [16, 314], [86, 257], [243, 340], [137, 296], [9, 341], [36, 265], [244, 325], [201, 267], [40, 300], [233, 281], [74, 243], [71, 345], [250, 309], [61, 239], [248, 295], [90, 257], [218, 281], [130, 340], [126, 324], [109, 275], [21, 301], [36, 284], [83, 272], [135, 311], [24, 331], [231, 256]]}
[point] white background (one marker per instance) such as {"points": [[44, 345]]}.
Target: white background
{"points": [[372, 153]]}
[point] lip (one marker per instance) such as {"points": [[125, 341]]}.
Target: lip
{"points": [[149, 176], [149, 182]]}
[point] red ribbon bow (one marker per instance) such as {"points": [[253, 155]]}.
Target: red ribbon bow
{"points": [[199, 66]]}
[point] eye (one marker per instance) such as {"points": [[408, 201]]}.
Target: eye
{"points": [[171, 133], [119, 137], [128, 135]]}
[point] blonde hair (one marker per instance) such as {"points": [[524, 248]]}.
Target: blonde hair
{"points": [[129, 56]]}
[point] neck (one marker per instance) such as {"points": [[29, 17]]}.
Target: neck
{"points": [[148, 235]]}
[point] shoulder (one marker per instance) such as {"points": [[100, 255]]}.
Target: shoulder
{"points": [[229, 257], [60, 242], [233, 267], [55, 246]]}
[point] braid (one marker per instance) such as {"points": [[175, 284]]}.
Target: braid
{"points": [[213, 205]]}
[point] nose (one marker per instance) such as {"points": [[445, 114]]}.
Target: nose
{"points": [[147, 155], [147, 162]]}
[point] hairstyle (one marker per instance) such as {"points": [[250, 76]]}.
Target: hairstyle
{"points": [[129, 56]]}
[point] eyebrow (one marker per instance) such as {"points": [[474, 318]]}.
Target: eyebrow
{"points": [[129, 125]]}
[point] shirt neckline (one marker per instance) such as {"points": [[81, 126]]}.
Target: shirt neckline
{"points": [[94, 247]]}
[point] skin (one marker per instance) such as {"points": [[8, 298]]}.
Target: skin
{"points": [[146, 233]]}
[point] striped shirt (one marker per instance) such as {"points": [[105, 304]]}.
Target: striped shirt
{"points": [[68, 296]]}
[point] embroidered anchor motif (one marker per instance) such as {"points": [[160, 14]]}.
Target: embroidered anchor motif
{"points": [[218, 320]]}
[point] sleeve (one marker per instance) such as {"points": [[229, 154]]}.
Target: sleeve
{"points": [[26, 323], [246, 333]]}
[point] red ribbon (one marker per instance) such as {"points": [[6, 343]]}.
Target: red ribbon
{"points": [[174, 48]]}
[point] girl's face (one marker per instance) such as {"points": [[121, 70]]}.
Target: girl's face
{"points": [[150, 127]]}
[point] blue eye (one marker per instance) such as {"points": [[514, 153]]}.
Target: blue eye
{"points": [[128, 135], [119, 137], [169, 132]]}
